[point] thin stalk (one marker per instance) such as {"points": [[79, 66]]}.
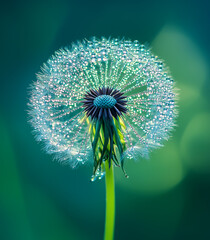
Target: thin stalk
{"points": [[110, 202]]}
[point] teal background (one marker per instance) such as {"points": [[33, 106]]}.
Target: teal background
{"points": [[166, 197]]}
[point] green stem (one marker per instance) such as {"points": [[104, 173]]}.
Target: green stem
{"points": [[110, 202]]}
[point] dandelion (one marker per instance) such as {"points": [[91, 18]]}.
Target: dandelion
{"points": [[103, 101]]}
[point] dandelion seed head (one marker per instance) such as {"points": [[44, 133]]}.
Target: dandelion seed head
{"points": [[121, 77]]}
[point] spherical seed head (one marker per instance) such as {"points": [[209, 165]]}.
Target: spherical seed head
{"points": [[70, 77]]}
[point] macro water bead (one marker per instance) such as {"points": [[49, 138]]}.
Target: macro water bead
{"points": [[102, 100]]}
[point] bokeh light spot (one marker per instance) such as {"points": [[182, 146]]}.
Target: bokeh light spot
{"points": [[186, 59], [195, 143], [161, 173]]}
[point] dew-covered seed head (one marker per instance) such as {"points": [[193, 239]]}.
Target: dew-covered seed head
{"points": [[111, 79]]}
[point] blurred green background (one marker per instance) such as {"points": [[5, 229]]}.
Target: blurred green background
{"points": [[166, 197]]}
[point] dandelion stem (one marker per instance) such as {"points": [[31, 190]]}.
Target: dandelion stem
{"points": [[110, 202]]}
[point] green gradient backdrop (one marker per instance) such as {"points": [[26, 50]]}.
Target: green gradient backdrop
{"points": [[167, 197]]}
